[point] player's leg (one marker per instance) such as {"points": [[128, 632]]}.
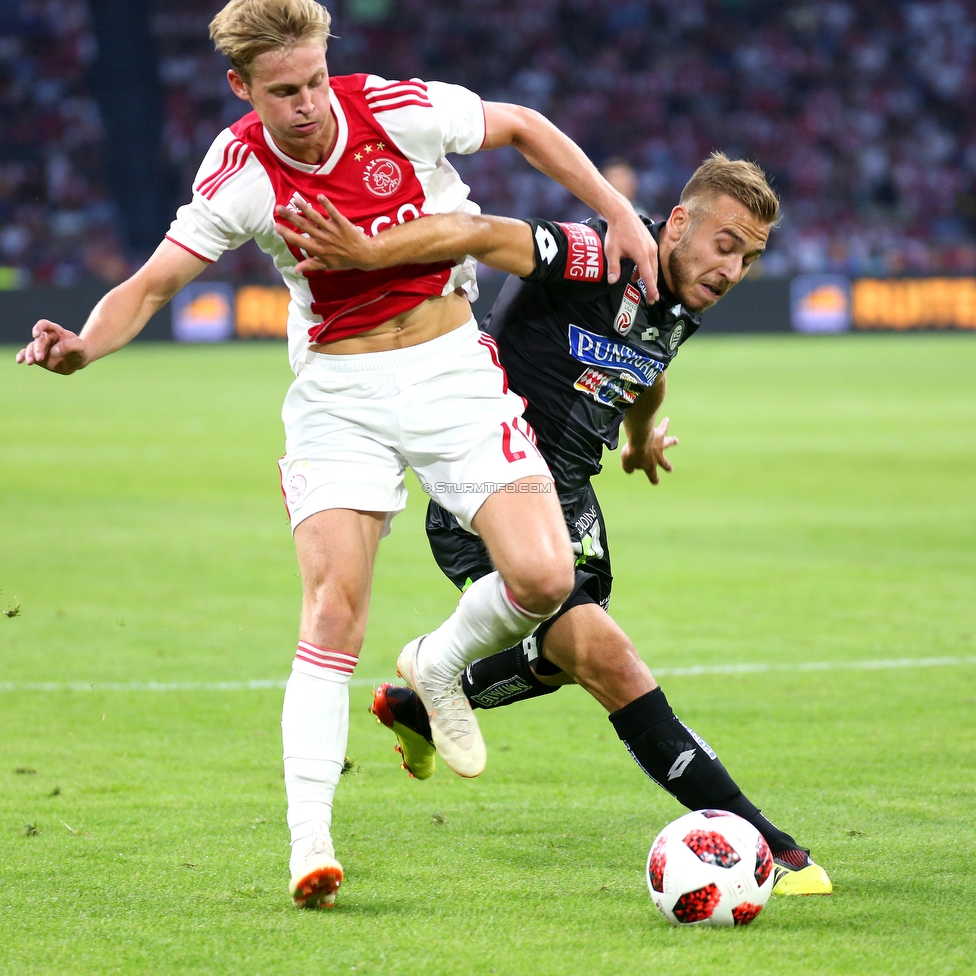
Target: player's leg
{"points": [[588, 644], [519, 672], [525, 534], [526, 539], [340, 473], [336, 550], [486, 470]]}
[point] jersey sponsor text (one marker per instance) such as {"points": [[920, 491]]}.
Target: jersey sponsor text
{"points": [[584, 262], [595, 350]]}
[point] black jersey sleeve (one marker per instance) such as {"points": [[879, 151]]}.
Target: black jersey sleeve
{"points": [[568, 254]]}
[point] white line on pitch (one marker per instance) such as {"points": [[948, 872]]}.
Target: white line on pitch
{"points": [[758, 668]]}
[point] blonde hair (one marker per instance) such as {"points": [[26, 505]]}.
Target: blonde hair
{"points": [[737, 178], [245, 29]]}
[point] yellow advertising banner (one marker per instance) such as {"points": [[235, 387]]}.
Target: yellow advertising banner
{"points": [[914, 303], [261, 312]]}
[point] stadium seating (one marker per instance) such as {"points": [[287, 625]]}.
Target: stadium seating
{"points": [[865, 114]]}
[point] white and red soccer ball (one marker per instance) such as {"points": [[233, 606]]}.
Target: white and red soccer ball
{"points": [[710, 867]]}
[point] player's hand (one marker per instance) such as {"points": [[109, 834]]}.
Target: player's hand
{"points": [[332, 242], [650, 456], [55, 349], [628, 237]]}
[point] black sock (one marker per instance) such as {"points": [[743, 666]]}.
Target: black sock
{"points": [[685, 765], [502, 679]]}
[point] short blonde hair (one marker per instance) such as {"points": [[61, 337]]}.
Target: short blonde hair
{"points": [[245, 29], [737, 178]]}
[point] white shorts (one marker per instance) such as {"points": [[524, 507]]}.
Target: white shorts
{"points": [[354, 423]]}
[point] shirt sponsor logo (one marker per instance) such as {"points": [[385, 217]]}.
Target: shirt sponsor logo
{"points": [[584, 262], [382, 176], [605, 388], [627, 313], [595, 350]]}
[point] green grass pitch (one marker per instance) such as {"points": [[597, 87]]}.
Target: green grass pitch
{"points": [[822, 509]]}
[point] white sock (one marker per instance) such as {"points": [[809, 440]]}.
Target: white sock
{"points": [[314, 732], [487, 620]]}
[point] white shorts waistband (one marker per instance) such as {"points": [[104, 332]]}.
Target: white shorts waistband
{"points": [[394, 359]]}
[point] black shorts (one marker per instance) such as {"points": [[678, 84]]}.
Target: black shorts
{"points": [[463, 557]]}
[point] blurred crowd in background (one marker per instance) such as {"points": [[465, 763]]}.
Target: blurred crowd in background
{"points": [[863, 112]]}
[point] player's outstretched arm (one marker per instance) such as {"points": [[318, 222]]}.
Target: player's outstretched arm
{"points": [[332, 242], [552, 152], [646, 444], [117, 318]]}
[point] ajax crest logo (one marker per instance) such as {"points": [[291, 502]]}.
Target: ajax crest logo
{"points": [[296, 488], [382, 176]]}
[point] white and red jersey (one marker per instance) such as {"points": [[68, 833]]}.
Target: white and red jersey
{"points": [[388, 166]]}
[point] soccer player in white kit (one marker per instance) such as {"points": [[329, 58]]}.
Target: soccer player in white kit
{"points": [[391, 371]]}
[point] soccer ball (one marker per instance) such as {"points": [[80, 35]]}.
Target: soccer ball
{"points": [[710, 868]]}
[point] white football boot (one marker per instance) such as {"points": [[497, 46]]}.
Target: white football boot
{"points": [[315, 873], [453, 725]]}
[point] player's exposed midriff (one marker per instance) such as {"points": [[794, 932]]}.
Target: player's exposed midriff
{"points": [[431, 318]]}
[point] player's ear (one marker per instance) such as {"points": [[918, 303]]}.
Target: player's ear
{"points": [[238, 85], [678, 223]]}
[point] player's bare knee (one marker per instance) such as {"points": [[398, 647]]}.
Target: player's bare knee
{"points": [[545, 588], [336, 620], [620, 656]]}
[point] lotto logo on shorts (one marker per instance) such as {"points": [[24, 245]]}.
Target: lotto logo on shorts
{"points": [[584, 262]]}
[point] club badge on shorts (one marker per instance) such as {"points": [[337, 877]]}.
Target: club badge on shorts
{"points": [[627, 313], [297, 484]]}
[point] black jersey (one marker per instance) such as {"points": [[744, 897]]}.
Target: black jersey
{"points": [[579, 349]]}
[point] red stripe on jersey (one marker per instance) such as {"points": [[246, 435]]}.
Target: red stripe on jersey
{"points": [[489, 343], [234, 169], [231, 155], [389, 93], [399, 102], [173, 240], [223, 163], [397, 95], [396, 86]]}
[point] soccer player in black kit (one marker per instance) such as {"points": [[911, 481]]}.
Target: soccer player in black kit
{"points": [[588, 354]]}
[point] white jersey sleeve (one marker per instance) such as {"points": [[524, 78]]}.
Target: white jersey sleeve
{"points": [[233, 201], [427, 120], [461, 116]]}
